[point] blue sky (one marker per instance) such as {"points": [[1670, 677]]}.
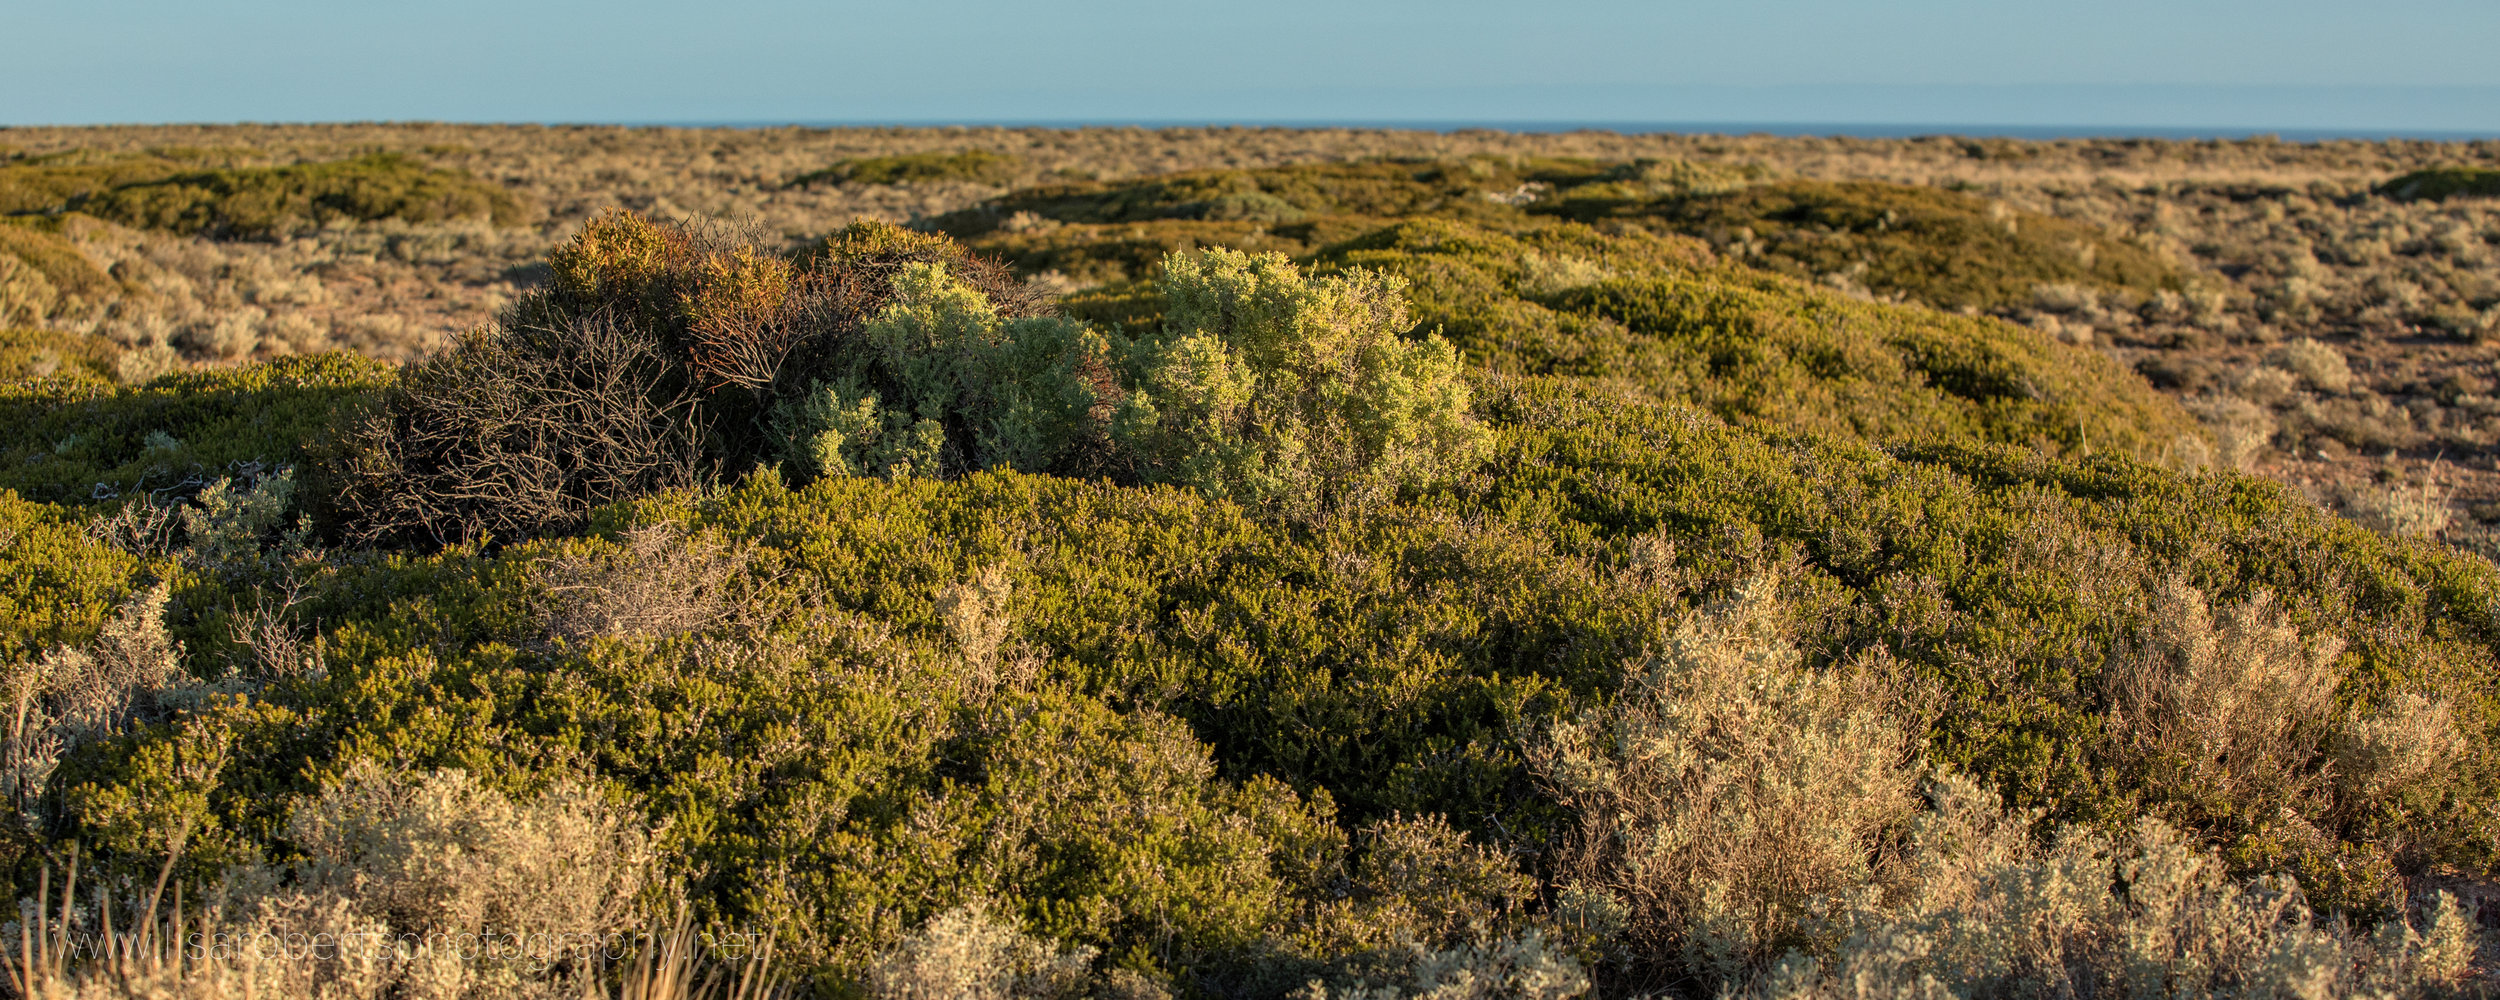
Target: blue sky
{"points": [[2390, 64]]}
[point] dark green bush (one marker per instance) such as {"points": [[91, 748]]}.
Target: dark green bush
{"points": [[257, 202], [2443, 183], [72, 440], [975, 166], [1942, 248]]}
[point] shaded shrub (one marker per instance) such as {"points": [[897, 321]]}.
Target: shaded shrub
{"points": [[1265, 385], [78, 441], [1943, 248], [2443, 183], [27, 355], [44, 276]]}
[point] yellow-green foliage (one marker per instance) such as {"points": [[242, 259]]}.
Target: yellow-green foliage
{"points": [[975, 166], [75, 441], [1758, 349], [1265, 385], [1942, 248], [257, 202], [58, 583], [37, 354], [2443, 183]]}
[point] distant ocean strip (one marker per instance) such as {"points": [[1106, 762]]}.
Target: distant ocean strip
{"points": [[1854, 130]]}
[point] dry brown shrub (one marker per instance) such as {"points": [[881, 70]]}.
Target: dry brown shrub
{"points": [[2223, 708], [1728, 785], [521, 431], [659, 582]]}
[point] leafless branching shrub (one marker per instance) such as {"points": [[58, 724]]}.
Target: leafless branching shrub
{"points": [[520, 431], [659, 582], [1728, 785]]}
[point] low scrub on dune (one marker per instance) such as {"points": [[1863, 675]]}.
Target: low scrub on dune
{"points": [[255, 202], [1656, 628]]}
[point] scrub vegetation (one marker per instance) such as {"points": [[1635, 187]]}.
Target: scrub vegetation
{"points": [[1471, 572]]}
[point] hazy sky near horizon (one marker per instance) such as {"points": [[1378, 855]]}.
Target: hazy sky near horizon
{"points": [[2412, 64]]}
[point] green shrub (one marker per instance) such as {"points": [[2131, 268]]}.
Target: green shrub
{"points": [[1266, 385], [969, 391], [1756, 349], [973, 166], [77, 441], [1943, 248], [2443, 183], [34, 354], [257, 202]]}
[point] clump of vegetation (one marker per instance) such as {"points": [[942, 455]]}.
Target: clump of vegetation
{"points": [[257, 202], [70, 440], [1265, 385], [970, 166], [263, 202], [1648, 313], [43, 276], [1942, 248], [661, 356], [2443, 183], [35, 354]]}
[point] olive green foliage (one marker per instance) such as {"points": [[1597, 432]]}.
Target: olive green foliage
{"points": [[60, 583], [2443, 183], [1943, 248], [256, 202], [975, 166], [1758, 349], [1929, 245], [71, 440], [37, 354], [1265, 385]]}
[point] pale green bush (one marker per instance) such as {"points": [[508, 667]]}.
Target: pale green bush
{"points": [[967, 954], [1524, 967], [1728, 786], [2321, 366], [1989, 911], [1265, 384], [975, 391]]}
